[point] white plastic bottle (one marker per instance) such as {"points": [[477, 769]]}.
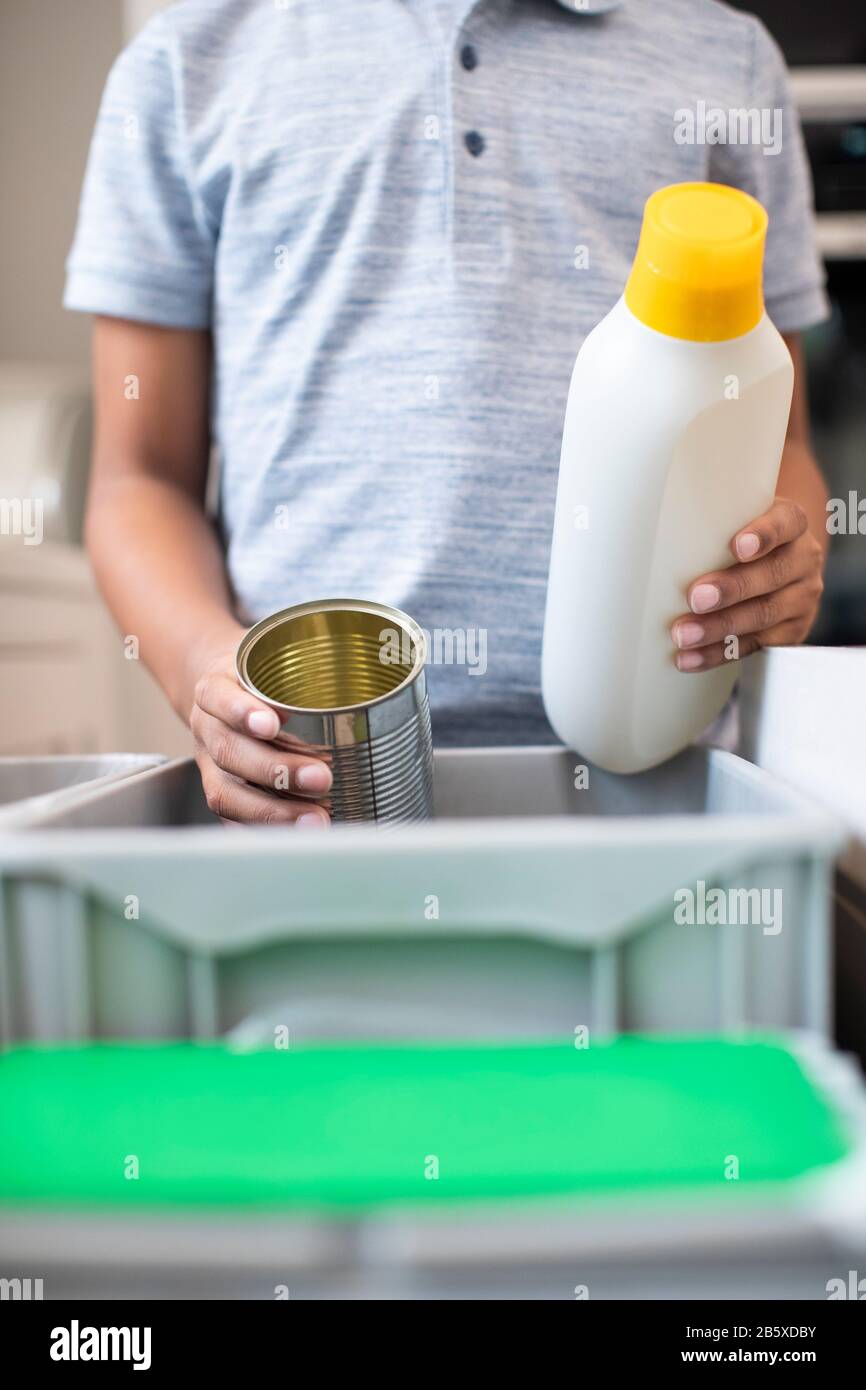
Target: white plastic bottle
{"points": [[674, 430]]}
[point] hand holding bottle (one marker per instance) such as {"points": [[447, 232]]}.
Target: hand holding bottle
{"points": [[769, 599]]}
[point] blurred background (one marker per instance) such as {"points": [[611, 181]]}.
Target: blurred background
{"points": [[54, 57], [65, 686]]}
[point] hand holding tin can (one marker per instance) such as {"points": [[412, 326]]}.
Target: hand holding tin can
{"points": [[347, 681], [245, 776]]}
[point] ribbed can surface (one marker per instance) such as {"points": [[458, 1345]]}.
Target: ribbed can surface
{"points": [[347, 679]]}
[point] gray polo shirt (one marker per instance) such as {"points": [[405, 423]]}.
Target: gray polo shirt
{"points": [[399, 219]]}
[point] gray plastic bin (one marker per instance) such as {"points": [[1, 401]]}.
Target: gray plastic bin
{"points": [[32, 789], [787, 1244], [528, 907]]}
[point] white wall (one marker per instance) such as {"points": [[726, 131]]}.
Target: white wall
{"points": [[54, 57]]}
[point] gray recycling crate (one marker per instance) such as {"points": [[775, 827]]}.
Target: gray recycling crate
{"points": [[797, 1241], [33, 788], [528, 906]]}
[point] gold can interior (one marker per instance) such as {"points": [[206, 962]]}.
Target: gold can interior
{"points": [[330, 659]]}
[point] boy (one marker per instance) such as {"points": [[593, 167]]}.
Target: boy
{"points": [[357, 244]]}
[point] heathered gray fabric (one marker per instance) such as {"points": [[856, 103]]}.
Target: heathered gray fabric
{"points": [[395, 320]]}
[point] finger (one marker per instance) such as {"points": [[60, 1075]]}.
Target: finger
{"points": [[234, 801], [723, 588], [790, 633], [755, 615], [275, 769], [784, 522], [719, 653], [220, 695]]}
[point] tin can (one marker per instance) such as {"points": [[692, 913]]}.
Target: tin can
{"points": [[347, 678]]}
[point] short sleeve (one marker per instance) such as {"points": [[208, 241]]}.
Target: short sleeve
{"points": [[142, 247], [775, 170]]}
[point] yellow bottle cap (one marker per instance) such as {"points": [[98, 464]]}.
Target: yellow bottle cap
{"points": [[697, 271]]}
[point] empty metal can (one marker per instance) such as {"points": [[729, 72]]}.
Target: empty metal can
{"points": [[347, 679]]}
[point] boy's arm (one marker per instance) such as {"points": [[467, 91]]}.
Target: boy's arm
{"points": [[159, 564], [771, 597]]}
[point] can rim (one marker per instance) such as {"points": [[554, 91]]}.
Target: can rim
{"points": [[297, 610]]}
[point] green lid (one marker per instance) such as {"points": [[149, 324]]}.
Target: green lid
{"points": [[136, 1125]]}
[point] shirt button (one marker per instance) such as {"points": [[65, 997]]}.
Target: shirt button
{"points": [[468, 57], [474, 142]]}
